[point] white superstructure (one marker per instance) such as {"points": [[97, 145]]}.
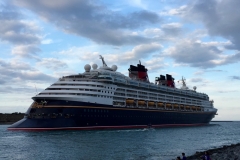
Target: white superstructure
{"points": [[104, 85]]}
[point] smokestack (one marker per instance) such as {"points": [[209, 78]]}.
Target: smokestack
{"points": [[170, 80]]}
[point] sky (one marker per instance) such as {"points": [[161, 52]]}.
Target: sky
{"points": [[44, 40]]}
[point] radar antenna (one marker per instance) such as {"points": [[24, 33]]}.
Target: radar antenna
{"points": [[104, 63]]}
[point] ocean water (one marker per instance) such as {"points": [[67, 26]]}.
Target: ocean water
{"points": [[137, 144]]}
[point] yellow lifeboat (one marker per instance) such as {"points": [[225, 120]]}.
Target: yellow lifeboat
{"points": [[199, 108], [176, 106], [129, 101], [187, 108], [151, 103], [193, 108], [169, 105], [160, 104], [141, 102]]}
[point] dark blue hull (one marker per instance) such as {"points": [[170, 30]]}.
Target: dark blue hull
{"points": [[57, 115]]}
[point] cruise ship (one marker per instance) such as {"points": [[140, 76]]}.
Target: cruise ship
{"points": [[102, 98]]}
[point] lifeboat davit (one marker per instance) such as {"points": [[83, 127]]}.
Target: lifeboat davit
{"points": [[182, 107]]}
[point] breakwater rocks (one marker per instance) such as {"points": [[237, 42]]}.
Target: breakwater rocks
{"points": [[231, 152]]}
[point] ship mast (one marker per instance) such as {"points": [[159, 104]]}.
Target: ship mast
{"points": [[104, 63], [184, 86]]}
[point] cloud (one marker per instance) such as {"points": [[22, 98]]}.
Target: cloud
{"points": [[21, 33], [155, 64], [167, 32], [172, 29], [235, 77], [138, 52], [196, 80], [176, 11], [25, 50], [25, 89], [52, 63], [19, 72], [227, 91], [199, 54], [221, 18], [93, 21]]}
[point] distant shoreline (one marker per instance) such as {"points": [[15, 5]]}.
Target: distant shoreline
{"points": [[6, 123], [224, 121]]}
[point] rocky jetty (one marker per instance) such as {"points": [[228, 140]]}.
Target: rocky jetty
{"points": [[231, 152]]}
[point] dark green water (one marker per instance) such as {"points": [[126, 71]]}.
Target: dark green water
{"points": [[150, 144]]}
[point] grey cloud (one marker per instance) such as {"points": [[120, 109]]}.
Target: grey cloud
{"points": [[2, 81], [227, 91], [92, 21], [21, 72], [155, 64], [221, 18], [235, 77], [202, 55], [215, 70], [14, 65], [172, 29], [138, 52], [196, 80], [26, 50], [26, 89], [14, 30], [52, 63]]}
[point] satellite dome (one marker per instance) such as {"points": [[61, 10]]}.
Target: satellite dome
{"points": [[194, 88], [94, 66], [114, 67], [87, 67]]}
